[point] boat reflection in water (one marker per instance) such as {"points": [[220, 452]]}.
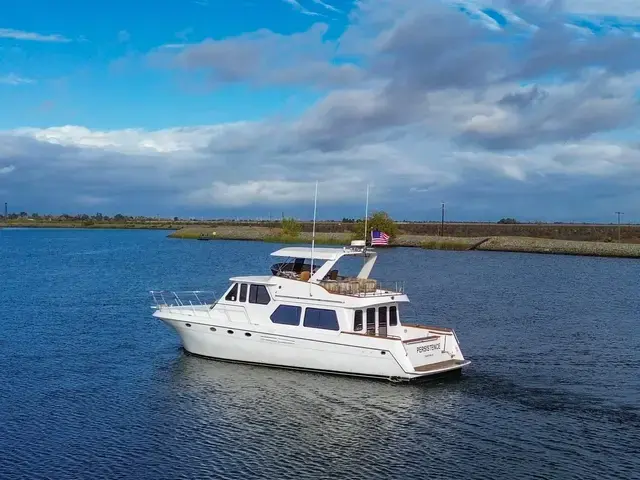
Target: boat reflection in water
{"points": [[270, 419]]}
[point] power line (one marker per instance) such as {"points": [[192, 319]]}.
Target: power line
{"points": [[619, 215]]}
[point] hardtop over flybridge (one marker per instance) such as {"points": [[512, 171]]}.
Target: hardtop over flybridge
{"points": [[305, 315]]}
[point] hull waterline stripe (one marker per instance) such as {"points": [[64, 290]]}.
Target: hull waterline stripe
{"points": [[414, 378]]}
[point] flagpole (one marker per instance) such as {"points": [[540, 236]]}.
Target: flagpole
{"points": [[313, 234], [366, 215]]}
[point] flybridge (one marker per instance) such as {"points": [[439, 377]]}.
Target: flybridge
{"points": [[329, 255], [298, 266]]}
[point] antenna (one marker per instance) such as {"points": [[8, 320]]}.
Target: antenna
{"points": [[313, 234], [366, 215]]}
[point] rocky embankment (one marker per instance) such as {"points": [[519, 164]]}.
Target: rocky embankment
{"points": [[497, 244], [565, 247]]}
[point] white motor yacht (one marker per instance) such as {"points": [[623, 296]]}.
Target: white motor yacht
{"points": [[308, 317]]}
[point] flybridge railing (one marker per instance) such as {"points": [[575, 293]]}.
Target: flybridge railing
{"points": [[363, 287], [167, 299], [393, 286]]}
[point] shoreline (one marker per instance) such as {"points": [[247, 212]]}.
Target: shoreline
{"points": [[273, 234], [511, 244]]}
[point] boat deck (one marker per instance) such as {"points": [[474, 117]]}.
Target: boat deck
{"points": [[439, 366]]}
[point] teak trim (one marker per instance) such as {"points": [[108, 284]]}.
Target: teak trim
{"points": [[421, 339], [428, 327]]}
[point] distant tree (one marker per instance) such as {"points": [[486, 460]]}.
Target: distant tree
{"points": [[508, 220], [348, 220], [291, 227], [377, 221]]}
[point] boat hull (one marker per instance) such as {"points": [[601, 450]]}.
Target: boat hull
{"points": [[447, 374], [244, 344]]}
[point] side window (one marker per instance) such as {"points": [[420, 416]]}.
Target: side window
{"points": [[382, 316], [286, 315], [371, 321], [259, 294], [243, 292], [357, 321], [233, 293], [320, 318], [393, 316]]}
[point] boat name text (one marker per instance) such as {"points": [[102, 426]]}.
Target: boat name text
{"points": [[428, 348]]}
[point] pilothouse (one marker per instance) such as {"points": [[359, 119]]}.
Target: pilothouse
{"points": [[306, 314]]}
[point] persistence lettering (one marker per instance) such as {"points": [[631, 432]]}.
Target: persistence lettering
{"points": [[428, 348]]}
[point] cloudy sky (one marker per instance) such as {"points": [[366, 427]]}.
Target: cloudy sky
{"points": [[521, 108]]}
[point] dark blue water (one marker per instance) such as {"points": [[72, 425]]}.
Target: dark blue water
{"points": [[93, 387]]}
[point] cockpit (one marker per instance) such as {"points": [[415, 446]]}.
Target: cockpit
{"points": [[300, 269]]}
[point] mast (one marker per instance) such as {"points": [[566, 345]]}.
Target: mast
{"points": [[313, 234], [366, 215]]}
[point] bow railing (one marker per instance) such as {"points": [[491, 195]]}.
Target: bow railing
{"points": [[194, 299]]}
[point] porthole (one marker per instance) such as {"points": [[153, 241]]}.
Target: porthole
{"points": [[188, 324], [213, 329], [230, 331], [247, 334], [383, 353]]}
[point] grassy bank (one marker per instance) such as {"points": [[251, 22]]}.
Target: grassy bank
{"points": [[263, 234], [497, 244], [630, 248], [576, 232]]}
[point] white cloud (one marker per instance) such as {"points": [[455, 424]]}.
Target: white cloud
{"points": [[128, 141], [326, 5], [273, 191], [198, 167], [32, 36], [13, 79], [296, 5], [7, 170]]}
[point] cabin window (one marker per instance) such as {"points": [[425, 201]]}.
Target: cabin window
{"points": [[243, 293], [259, 294], [382, 321], [393, 316], [233, 293], [382, 315], [371, 321], [321, 318], [286, 315], [358, 324]]}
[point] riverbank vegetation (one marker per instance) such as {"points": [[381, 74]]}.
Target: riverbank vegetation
{"points": [[629, 233], [577, 239]]}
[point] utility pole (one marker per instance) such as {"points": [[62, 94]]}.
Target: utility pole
{"points": [[6, 212], [619, 214], [442, 222]]}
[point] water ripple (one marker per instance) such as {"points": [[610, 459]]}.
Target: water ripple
{"points": [[93, 387]]}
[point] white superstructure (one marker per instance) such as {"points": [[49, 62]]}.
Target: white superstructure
{"points": [[307, 316]]}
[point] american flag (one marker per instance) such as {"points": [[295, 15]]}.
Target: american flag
{"points": [[379, 238]]}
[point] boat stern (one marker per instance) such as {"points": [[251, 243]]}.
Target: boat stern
{"points": [[433, 351]]}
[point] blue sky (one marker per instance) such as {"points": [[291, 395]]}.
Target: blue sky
{"points": [[98, 51], [211, 108]]}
